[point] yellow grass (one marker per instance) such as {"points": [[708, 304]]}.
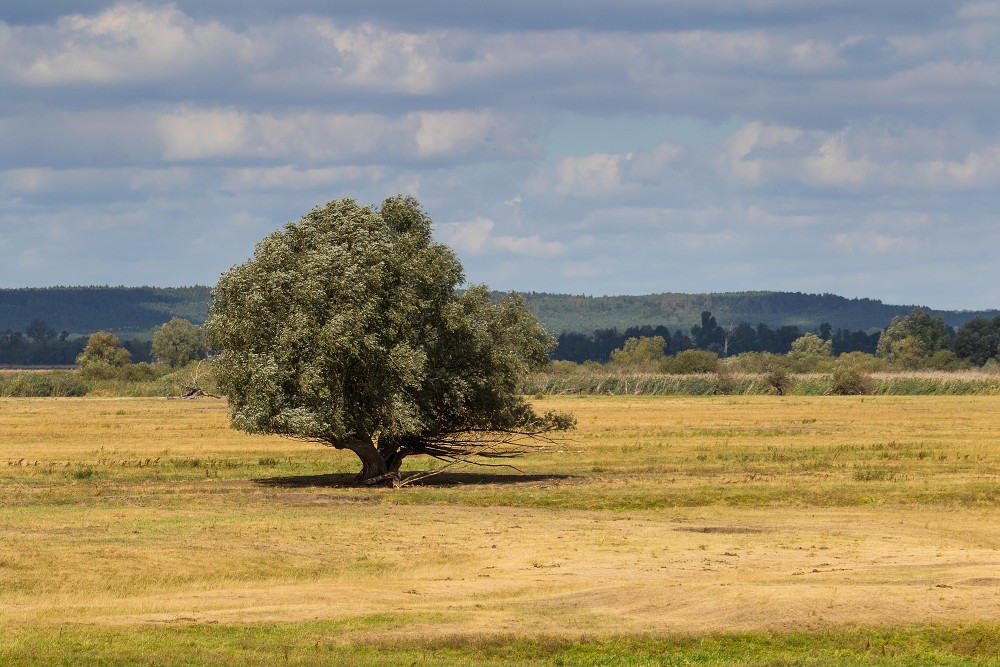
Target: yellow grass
{"points": [[660, 515]]}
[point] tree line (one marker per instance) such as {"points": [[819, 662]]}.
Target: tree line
{"points": [[41, 345], [907, 342], [975, 342], [710, 336]]}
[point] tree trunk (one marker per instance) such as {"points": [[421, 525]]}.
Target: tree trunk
{"points": [[372, 463], [393, 451]]}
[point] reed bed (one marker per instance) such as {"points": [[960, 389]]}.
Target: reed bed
{"points": [[915, 383]]}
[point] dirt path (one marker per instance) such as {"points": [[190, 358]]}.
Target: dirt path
{"points": [[533, 571]]}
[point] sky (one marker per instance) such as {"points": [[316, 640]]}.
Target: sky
{"points": [[573, 146]]}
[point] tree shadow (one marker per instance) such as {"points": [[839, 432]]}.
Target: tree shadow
{"points": [[442, 480]]}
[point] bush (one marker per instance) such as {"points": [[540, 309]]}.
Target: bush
{"points": [[693, 361], [725, 380], [945, 360], [779, 379], [42, 384], [141, 372], [863, 361], [753, 362], [850, 380]]}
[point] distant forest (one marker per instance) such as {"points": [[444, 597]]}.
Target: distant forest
{"points": [[48, 326], [586, 314]]}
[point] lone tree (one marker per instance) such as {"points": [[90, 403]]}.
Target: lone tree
{"points": [[348, 328], [103, 354], [178, 342]]}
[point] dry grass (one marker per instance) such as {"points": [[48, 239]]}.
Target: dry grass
{"points": [[662, 515]]}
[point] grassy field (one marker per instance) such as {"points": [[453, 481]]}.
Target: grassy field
{"points": [[664, 531]]}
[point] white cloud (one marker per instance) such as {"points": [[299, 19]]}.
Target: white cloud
{"points": [[864, 134], [448, 133], [740, 157], [529, 246], [198, 134], [590, 176], [832, 165], [130, 43], [316, 138], [292, 178], [978, 11], [375, 58], [476, 238], [872, 243], [466, 237]]}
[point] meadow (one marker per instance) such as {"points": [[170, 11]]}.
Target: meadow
{"points": [[668, 530]]}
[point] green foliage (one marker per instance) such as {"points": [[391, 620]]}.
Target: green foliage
{"points": [[978, 340], [863, 361], [850, 379], [319, 643], [779, 379], [945, 360], [79, 310], [693, 361], [179, 342], [348, 328], [103, 356], [42, 384], [909, 342], [726, 381], [754, 362], [812, 345], [810, 353], [584, 314], [642, 353]]}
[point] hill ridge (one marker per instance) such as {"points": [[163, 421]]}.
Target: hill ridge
{"points": [[140, 309]]}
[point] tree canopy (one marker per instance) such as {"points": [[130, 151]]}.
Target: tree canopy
{"points": [[911, 340], [978, 340], [103, 349], [178, 342], [349, 328]]}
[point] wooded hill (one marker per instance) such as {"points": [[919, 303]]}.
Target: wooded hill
{"points": [[563, 312], [126, 311], [136, 311]]}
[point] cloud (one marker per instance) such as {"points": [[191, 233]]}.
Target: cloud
{"points": [[746, 150], [129, 43], [591, 176], [573, 146], [832, 165], [447, 133], [200, 134], [466, 237], [476, 238]]}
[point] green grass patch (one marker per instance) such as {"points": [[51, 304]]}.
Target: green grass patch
{"points": [[356, 642]]}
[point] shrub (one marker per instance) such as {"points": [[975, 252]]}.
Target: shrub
{"points": [[752, 362], [725, 380], [863, 360], [779, 379], [694, 361], [42, 384], [850, 380], [141, 372], [945, 360]]}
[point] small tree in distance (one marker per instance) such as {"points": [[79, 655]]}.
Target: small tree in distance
{"points": [[103, 356], [348, 328], [644, 353], [178, 342], [104, 347]]}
